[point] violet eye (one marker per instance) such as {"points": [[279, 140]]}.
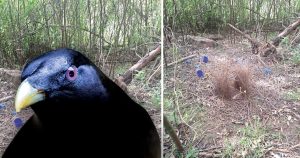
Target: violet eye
{"points": [[71, 73]]}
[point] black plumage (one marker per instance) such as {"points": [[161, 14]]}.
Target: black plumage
{"points": [[79, 112]]}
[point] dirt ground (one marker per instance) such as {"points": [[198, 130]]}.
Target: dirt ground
{"points": [[266, 123], [8, 87]]}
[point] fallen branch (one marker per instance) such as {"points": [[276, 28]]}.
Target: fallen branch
{"points": [[265, 50], [254, 43], [285, 32], [128, 75]]}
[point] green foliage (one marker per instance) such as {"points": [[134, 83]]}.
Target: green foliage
{"points": [[140, 75], [213, 15], [156, 98], [99, 28], [228, 150], [252, 138], [167, 103], [285, 41], [293, 95], [192, 153], [121, 69], [296, 55], [169, 106], [249, 144]]}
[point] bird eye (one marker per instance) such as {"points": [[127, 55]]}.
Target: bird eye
{"points": [[71, 73]]}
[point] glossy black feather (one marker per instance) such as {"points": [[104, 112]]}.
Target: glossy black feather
{"points": [[89, 117]]}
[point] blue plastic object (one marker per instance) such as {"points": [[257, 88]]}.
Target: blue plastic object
{"points": [[2, 106], [14, 113], [200, 73], [205, 59], [188, 61], [18, 122], [267, 71]]}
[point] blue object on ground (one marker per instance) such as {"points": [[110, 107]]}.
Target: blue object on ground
{"points": [[267, 71], [188, 61], [197, 66], [2, 106], [205, 59], [18, 122], [200, 73]]}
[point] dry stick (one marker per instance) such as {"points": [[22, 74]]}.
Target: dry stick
{"points": [[285, 32], [174, 137], [207, 154], [182, 59], [157, 71], [295, 146], [154, 73], [252, 41], [6, 98], [127, 77]]}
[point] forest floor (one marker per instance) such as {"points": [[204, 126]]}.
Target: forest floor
{"points": [[264, 123], [147, 95]]}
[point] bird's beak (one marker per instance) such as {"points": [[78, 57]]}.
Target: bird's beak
{"points": [[27, 95]]}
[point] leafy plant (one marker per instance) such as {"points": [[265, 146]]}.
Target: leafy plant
{"points": [[140, 75], [293, 95]]}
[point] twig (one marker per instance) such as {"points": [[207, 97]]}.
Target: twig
{"points": [[6, 98], [207, 154], [295, 146], [154, 73], [252, 41], [212, 148], [171, 132], [182, 59]]}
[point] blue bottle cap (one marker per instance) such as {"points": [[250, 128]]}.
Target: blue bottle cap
{"points": [[205, 59], [200, 73], [18, 122]]}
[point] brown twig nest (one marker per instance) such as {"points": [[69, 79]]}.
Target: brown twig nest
{"points": [[231, 80]]}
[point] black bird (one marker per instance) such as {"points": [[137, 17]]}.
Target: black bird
{"points": [[78, 112]]}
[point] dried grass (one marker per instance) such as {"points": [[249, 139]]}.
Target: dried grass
{"points": [[242, 81], [232, 80]]}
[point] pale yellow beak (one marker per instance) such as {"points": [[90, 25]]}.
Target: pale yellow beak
{"points": [[27, 95]]}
